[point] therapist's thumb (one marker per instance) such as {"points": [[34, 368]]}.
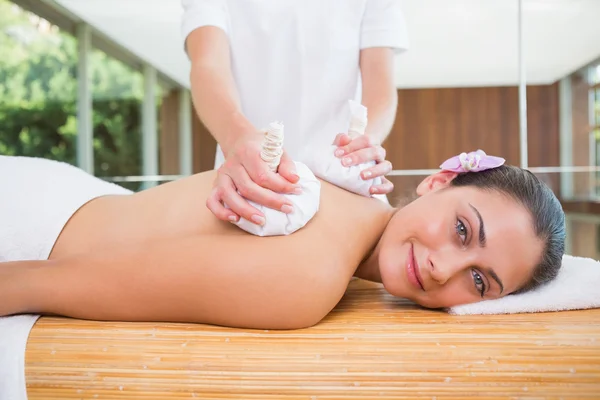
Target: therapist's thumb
{"points": [[342, 139], [287, 168]]}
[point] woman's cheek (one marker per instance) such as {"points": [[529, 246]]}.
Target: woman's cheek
{"points": [[435, 230]]}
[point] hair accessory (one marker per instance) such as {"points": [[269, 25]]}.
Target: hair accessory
{"points": [[474, 161]]}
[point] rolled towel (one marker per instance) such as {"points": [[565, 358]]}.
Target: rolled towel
{"points": [[323, 162], [37, 199], [14, 332], [576, 287], [305, 205]]}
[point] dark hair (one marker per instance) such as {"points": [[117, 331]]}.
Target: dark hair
{"points": [[545, 209]]}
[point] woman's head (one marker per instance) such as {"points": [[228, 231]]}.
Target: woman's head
{"points": [[472, 236]]}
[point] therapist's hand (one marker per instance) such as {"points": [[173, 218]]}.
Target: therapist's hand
{"points": [[245, 176], [364, 149]]}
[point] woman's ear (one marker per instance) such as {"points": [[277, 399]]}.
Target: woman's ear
{"points": [[435, 182]]}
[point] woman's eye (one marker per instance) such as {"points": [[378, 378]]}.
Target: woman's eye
{"points": [[479, 283], [462, 231]]}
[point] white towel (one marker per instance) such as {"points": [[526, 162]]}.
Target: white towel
{"points": [[14, 332], [38, 198], [576, 287]]}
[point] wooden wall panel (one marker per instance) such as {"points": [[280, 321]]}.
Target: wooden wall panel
{"points": [[581, 134], [434, 124], [205, 146], [169, 134], [584, 238], [543, 126]]}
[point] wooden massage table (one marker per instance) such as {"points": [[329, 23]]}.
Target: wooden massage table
{"points": [[371, 346]]}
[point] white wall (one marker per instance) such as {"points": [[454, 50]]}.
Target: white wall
{"points": [[454, 42]]}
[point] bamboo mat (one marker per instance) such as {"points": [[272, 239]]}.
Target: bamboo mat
{"points": [[370, 346]]}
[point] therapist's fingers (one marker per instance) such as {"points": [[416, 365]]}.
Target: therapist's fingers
{"points": [[233, 197], [241, 206], [249, 190], [385, 187], [226, 203], [287, 168], [362, 156], [261, 175], [214, 201], [342, 139], [378, 170], [360, 142], [219, 210]]}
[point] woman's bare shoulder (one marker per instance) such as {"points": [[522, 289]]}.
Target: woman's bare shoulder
{"points": [[349, 224]]}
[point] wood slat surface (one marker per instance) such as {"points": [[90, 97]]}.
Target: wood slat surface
{"points": [[370, 346]]}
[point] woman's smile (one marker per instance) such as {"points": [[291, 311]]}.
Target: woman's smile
{"points": [[412, 269]]}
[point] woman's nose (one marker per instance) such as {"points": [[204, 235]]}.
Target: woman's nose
{"points": [[439, 271], [444, 266]]}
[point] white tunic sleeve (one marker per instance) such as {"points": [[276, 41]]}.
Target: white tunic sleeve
{"points": [[383, 25], [199, 13]]}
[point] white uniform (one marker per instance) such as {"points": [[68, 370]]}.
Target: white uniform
{"points": [[297, 61]]}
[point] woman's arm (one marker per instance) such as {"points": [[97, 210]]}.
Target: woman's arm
{"points": [[266, 283]]}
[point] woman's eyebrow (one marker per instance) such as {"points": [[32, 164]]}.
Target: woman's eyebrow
{"points": [[481, 227], [495, 277], [482, 240]]}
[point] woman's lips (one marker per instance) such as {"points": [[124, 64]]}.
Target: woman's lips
{"points": [[412, 270]]}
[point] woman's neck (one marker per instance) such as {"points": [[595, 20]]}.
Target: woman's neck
{"points": [[369, 267]]}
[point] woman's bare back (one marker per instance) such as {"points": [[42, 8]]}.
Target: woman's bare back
{"points": [[160, 255], [177, 210], [174, 209]]}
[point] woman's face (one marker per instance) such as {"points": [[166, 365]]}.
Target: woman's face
{"points": [[457, 246]]}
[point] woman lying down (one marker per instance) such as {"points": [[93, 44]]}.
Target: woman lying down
{"points": [[73, 245]]}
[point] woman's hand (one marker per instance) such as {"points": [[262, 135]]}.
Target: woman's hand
{"points": [[245, 176], [363, 149]]}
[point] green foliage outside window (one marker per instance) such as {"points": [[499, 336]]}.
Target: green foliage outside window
{"points": [[38, 92]]}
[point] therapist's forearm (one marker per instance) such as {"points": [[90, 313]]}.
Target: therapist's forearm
{"points": [[379, 93], [216, 104], [214, 93], [381, 113]]}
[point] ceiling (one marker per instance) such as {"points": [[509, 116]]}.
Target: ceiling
{"points": [[454, 43]]}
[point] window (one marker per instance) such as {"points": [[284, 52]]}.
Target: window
{"points": [[38, 98], [117, 92], [38, 86]]}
